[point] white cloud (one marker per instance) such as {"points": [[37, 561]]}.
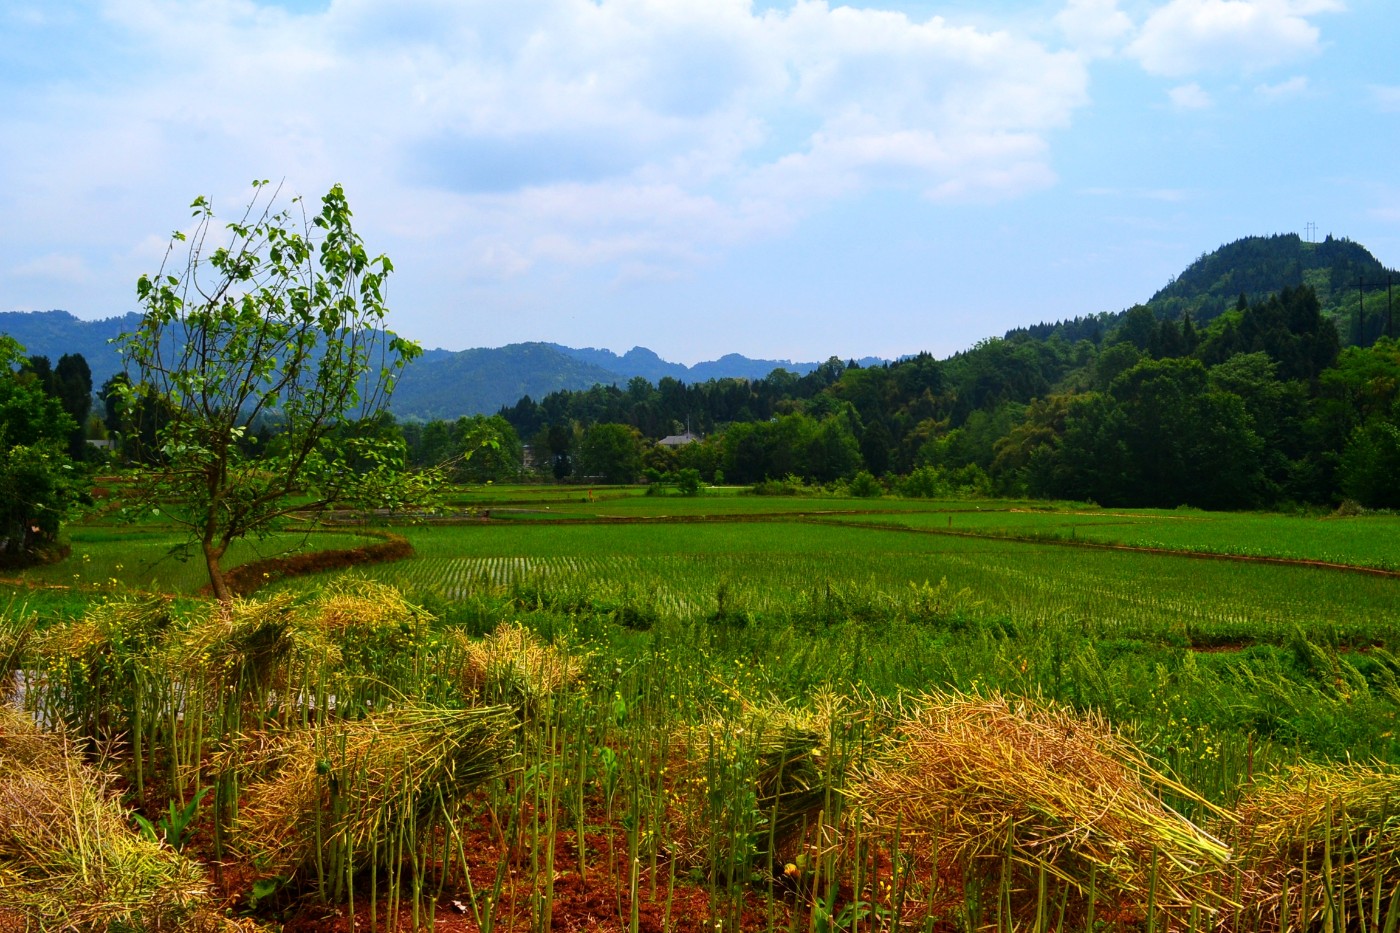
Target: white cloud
{"points": [[1296, 86], [1185, 37], [583, 132], [1386, 97], [1094, 27], [61, 266], [1165, 195], [1190, 97]]}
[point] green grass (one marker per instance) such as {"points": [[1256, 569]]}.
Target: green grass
{"points": [[766, 565]]}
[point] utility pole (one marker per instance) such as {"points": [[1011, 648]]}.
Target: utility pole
{"points": [[1311, 229], [1358, 328], [1358, 325]]}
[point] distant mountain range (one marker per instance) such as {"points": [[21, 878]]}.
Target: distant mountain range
{"points": [[447, 384], [440, 383]]}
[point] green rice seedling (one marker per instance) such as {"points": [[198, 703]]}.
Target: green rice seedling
{"points": [[1321, 844], [69, 856], [337, 798], [1013, 788]]}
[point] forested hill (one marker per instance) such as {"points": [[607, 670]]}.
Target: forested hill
{"points": [[1256, 267], [1260, 406]]}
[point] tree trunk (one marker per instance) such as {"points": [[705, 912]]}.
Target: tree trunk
{"points": [[212, 555]]}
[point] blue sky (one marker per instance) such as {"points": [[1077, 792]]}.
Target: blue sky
{"points": [[781, 178]]}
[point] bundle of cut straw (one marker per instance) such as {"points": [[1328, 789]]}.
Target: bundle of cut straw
{"points": [[1021, 798], [241, 641], [354, 603], [341, 791], [747, 784], [69, 857], [1321, 842], [512, 665]]}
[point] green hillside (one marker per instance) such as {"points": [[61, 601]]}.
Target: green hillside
{"points": [[1257, 267]]}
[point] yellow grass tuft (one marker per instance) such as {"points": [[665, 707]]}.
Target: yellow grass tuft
{"points": [[339, 792], [354, 603], [751, 781], [238, 641], [512, 665]]}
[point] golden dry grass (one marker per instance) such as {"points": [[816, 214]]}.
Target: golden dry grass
{"points": [[348, 787], [513, 665], [354, 603], [751, 781]]}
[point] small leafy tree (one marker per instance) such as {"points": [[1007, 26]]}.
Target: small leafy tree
{"points": [[38, 483], [276, 319]]}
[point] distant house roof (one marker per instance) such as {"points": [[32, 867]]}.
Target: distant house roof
{"points": [[678, 440]]}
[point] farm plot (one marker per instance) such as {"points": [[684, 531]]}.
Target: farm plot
{"points": [[1360, 540], [766, 567]]}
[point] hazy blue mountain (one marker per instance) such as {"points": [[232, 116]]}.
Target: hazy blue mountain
{"points": [[54, 333], [440, 384], [639, 361], [444, 384]]}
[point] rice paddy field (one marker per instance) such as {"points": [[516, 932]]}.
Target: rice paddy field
{"points": [[597, 709]]}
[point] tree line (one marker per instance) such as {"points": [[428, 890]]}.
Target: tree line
{"points": [[1259, 407]]}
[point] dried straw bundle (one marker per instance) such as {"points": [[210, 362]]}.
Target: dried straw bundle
{"points": [[379, 640], [751, 782], [351, 604], [1323, 838], [340, 792], [512, 665], [239, 642], [1010, 794], [69, 858]]}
